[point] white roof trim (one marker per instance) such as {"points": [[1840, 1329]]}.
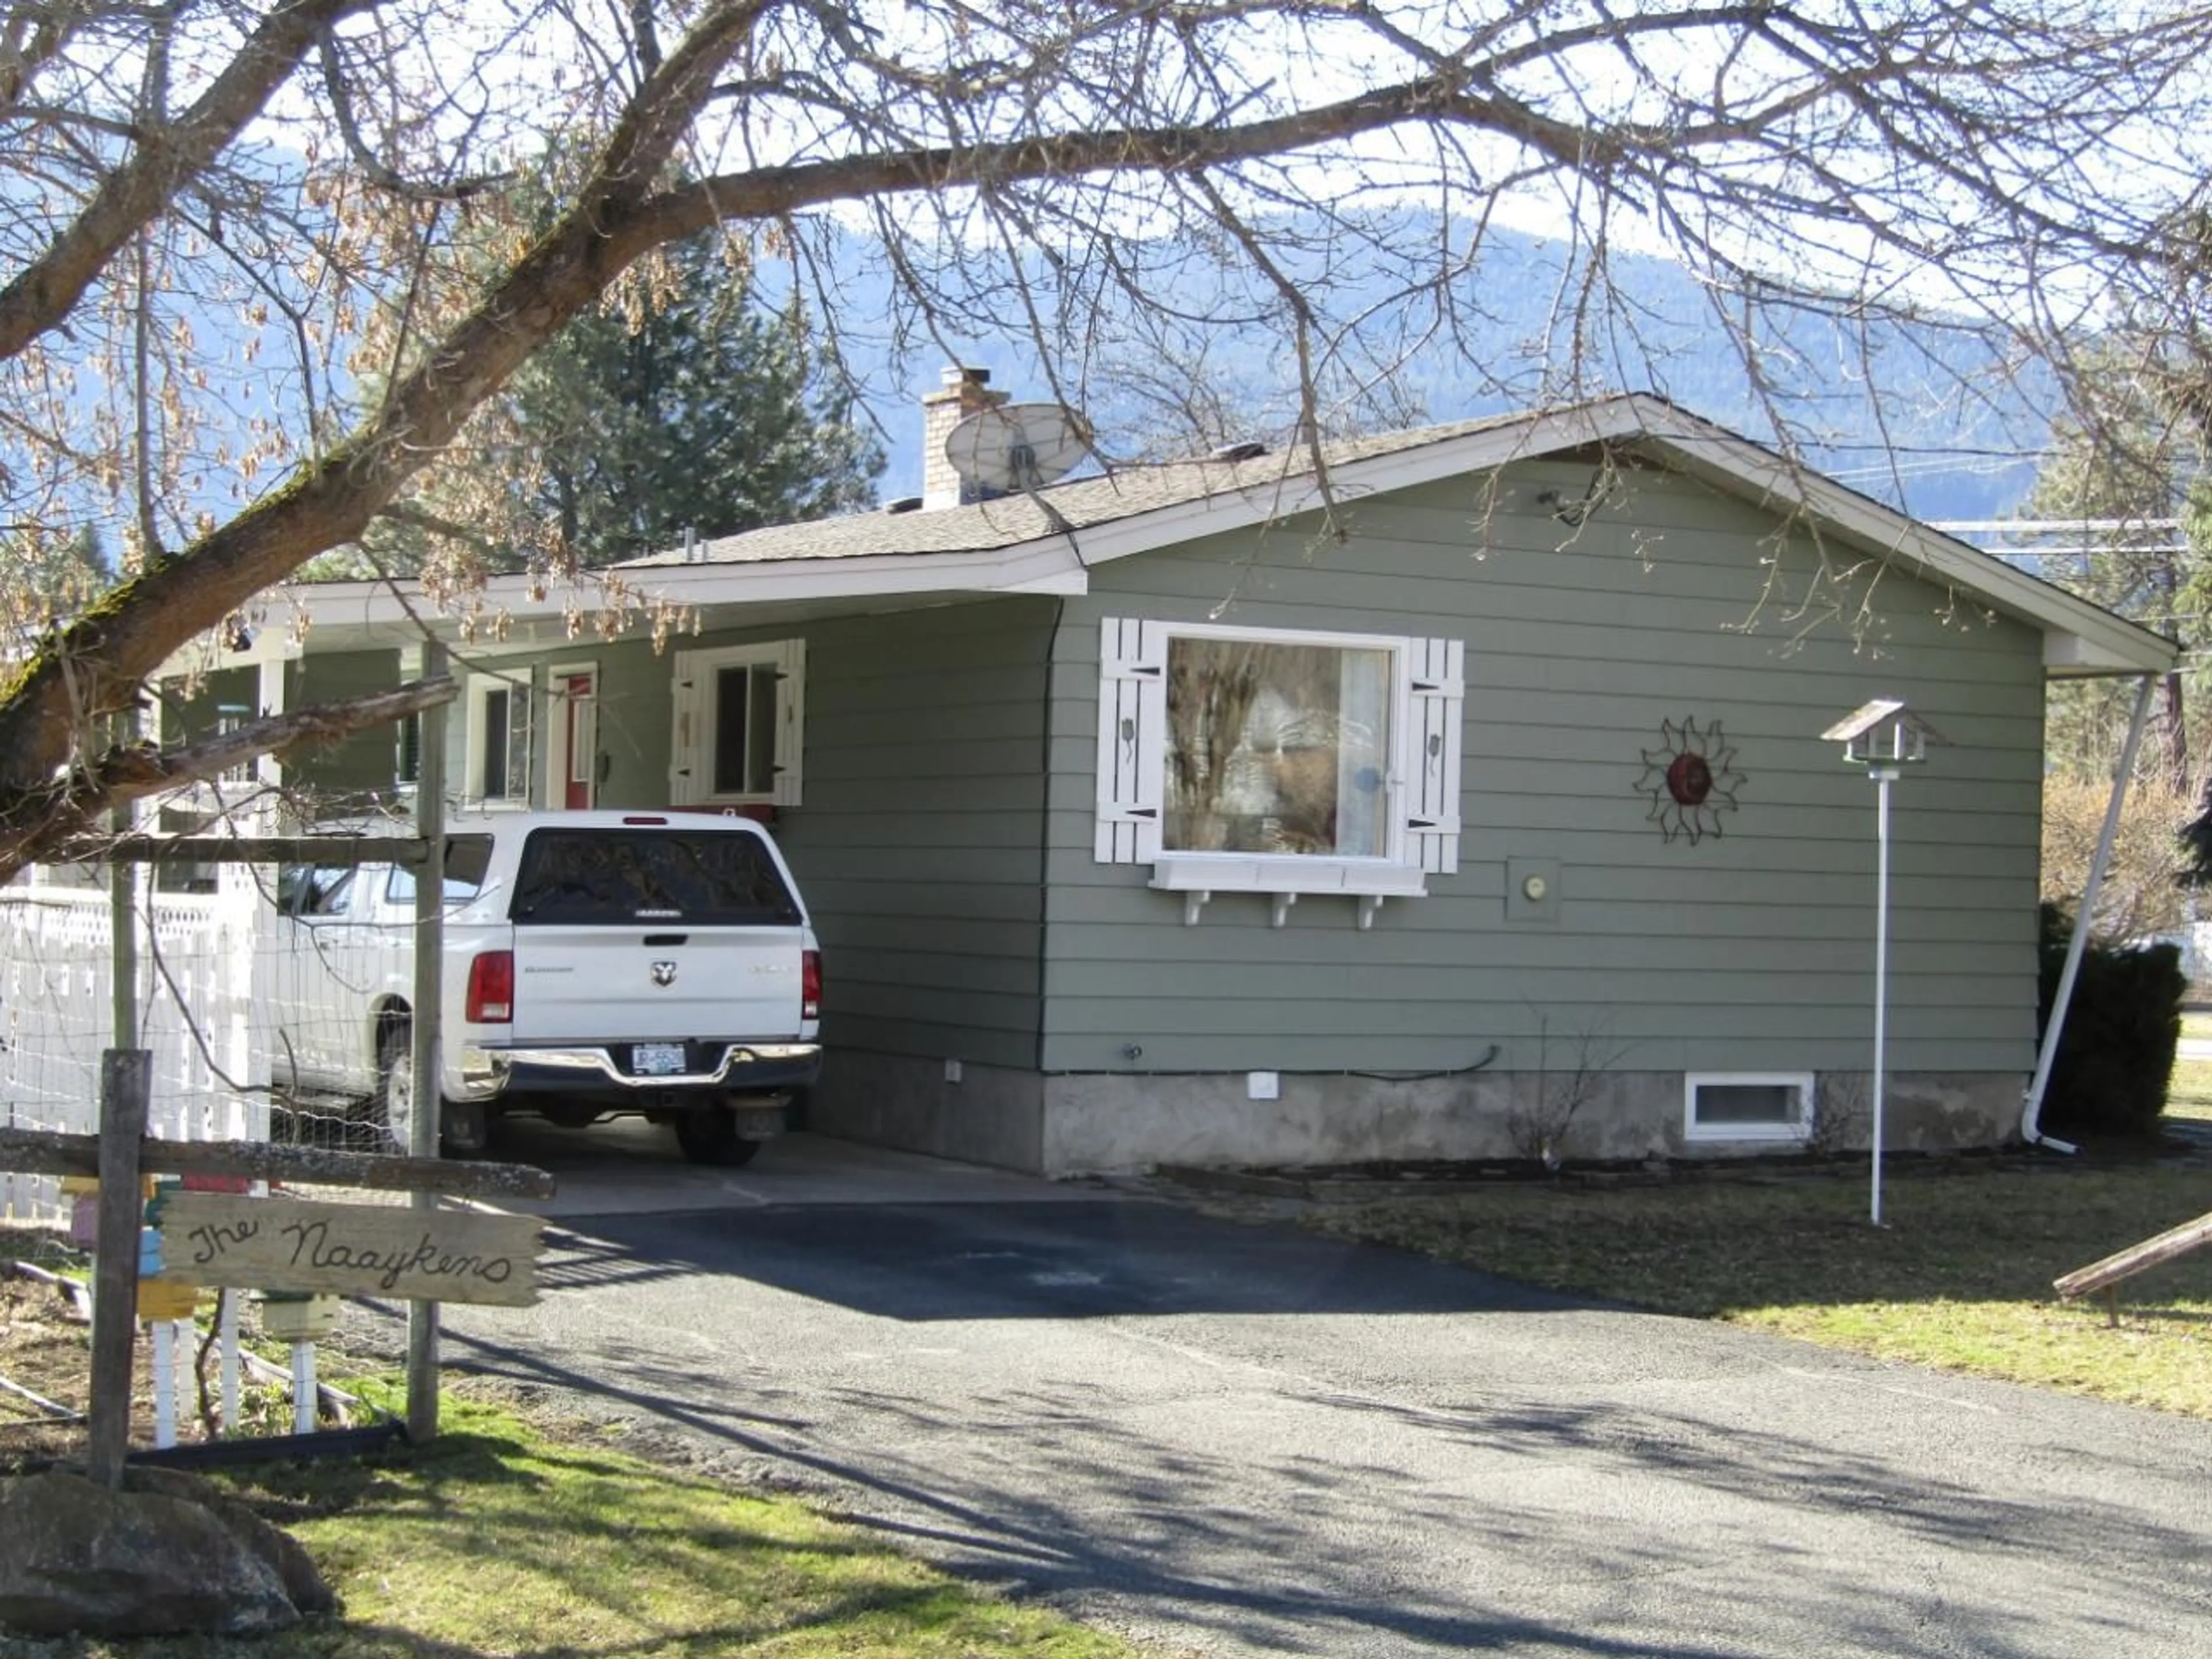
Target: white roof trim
{"points": [[211, 652], [1048, 566]]}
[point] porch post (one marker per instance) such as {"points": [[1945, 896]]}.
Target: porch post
{"points": [[270, 695]]}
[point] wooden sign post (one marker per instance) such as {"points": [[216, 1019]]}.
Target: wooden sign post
{"points": [[423, 1253], [125, 1083], [350, 1250], [429, 967]]}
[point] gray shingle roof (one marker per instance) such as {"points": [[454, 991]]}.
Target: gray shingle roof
{"points": [[1077, 505]]}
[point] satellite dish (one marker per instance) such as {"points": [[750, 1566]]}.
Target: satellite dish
{"points": [[1015, 446]]}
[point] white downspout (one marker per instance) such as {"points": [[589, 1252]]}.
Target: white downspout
{"points": [[2031, 1128]]}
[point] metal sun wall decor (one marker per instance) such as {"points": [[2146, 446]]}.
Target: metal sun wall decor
{"points": [[1691, 780]]}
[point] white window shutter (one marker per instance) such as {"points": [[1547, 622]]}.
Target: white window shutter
{"points": [[685, 787], [1133, 724], [790, 719], [1435, 737]]}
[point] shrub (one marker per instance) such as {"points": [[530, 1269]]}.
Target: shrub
{"points": [[2122, 1027]]}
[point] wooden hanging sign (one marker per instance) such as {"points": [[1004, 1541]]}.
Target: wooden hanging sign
{"points": [[350, 1250]]}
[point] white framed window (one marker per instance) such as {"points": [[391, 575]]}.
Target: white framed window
{"points": [[740, 726], [1747, 1105], [1237, 759], [501, 733]]}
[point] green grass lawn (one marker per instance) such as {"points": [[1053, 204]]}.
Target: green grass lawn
{"points": [[1960, 1277], [497, 1539], [2189, 1095]]}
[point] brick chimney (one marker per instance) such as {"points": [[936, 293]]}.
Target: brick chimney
{"points": [[964, 391]]}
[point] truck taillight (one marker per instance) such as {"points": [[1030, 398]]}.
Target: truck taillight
{"points": [[491, 988], [810, 985]]}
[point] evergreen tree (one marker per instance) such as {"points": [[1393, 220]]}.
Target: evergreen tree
{"points": [[680, 406], [707, 416]]}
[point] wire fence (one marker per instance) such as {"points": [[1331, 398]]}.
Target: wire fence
{"points": [[259, 1005]]}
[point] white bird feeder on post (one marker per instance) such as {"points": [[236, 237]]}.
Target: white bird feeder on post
{"points": [[1884, 737]]}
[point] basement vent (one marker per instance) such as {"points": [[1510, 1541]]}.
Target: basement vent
{"points": [[1748, 1106]]}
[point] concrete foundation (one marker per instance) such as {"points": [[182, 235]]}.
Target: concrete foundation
{"points": [[992, 1116], [1088, 1123]]}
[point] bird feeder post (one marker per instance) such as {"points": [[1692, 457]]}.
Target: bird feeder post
{"points": [[1884, 737]]}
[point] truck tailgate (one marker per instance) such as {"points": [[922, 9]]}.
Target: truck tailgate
{"points": [[595, 982]]}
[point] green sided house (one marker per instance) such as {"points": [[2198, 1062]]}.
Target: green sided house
{"points": [[1467, 799]]}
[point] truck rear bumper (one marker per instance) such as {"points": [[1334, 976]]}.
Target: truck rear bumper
{"points": [[723, 1067]]}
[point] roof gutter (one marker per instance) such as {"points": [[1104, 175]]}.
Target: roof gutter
{"points": [[2031, 1119]]}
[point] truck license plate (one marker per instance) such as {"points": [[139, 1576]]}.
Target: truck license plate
{"points": [[656, 1058]]}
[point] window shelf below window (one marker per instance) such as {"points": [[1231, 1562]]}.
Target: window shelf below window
{"points": [[1199, 876]]}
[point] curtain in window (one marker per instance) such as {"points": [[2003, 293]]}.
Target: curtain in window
{"points": [[1276, 748]]}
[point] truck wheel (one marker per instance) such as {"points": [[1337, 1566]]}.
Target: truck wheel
{"points": [[464, 1127], [708, 1134], [395, 1085]]}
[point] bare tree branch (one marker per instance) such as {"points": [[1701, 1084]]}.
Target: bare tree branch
{"points": [[165, 154], [2030, 172], [386, 176], [32, 36], [36, 825], [94, 666]]}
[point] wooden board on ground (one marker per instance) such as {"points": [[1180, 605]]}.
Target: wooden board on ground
{"points": [[352, 1249], [2126, 1264]]}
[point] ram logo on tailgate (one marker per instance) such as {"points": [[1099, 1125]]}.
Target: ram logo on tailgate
{"points": [[664, 973]]}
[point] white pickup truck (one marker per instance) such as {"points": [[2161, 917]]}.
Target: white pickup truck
{"points": [[597, 963]]}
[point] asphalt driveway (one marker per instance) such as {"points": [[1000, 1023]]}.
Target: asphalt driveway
{"points": [[1246, 1439]]}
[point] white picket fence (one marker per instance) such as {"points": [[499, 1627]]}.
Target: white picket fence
{"points": [[195, 1000]]}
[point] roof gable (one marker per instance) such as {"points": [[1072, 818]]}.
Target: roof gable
{"points": [[1049, 540], [1017, 540]]}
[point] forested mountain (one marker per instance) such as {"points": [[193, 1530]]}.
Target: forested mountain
{"points": [[1926, 415]]}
